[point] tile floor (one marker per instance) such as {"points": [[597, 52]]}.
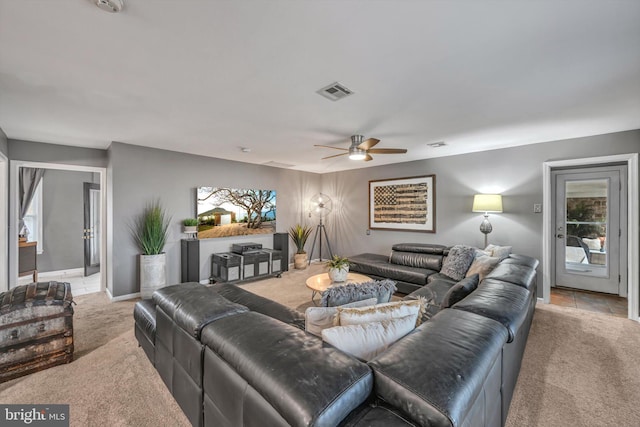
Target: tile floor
{"points": [[80, 285], [591, 301]]}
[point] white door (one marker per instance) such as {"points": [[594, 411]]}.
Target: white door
{"points": [[590, 229]]}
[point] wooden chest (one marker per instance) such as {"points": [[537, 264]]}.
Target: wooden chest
{"points": [[36, 328]]}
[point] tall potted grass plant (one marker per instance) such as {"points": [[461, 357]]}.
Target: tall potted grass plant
{"points": [[150, 231]]}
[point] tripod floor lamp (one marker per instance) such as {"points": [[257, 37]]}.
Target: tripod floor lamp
{"points": [[320, 205], [487, 203]]}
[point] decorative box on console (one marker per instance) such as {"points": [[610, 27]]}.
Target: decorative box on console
{"points": [[36, 328], [256, 263], [275, 261], [242, 248], [226, 266]]}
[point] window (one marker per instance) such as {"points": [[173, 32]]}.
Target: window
{"points": [[33, 218]]}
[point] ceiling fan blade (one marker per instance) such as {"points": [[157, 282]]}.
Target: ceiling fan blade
{"points": [[337, 155], [388, 151], [368, 143], [328, 146], [366, 159]]}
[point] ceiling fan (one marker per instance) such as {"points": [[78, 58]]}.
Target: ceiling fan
{"points": [[362, 149]]}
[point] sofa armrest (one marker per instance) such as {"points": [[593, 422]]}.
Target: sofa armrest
{"points": [[458, 375], [192, 306], [307, 384]]}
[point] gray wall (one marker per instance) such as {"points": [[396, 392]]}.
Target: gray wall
{"points": [[63, 220], [516, 173], [139, 175]]}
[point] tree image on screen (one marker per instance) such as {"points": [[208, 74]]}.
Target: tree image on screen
{"points": [[224, 212]]}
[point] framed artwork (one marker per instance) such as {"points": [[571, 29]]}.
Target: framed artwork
{"points": [[403, 204]]}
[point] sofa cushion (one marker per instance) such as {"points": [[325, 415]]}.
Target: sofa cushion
{"points": [[260, 304], [521, 275], [439, 277], [501, 301], [336, 295], [461, 351], [460, 291], [421, 248], [305, 382], [378, 265], [192, 306], [365, 341], [413, 259], [318, 318], [432, 294], [522, 260], [458, 262], [144, 315]]}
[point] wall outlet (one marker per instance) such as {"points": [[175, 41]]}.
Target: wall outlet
{"points": [[368, 232], [537, 208]]}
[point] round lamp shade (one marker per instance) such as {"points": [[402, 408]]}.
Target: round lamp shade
{"points": [[320, 205]]}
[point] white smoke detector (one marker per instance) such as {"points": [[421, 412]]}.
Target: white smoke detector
{"points": [[112, 6]]}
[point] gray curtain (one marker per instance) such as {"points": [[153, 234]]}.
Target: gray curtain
{"points": [[29, 178]]}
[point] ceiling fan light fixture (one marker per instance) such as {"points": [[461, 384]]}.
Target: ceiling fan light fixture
{"points": [[356, 153]]}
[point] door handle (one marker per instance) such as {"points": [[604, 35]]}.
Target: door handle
{"points": [[560, 236]]}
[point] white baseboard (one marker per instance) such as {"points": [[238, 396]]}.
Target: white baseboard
{"points": [[122, 297], [541, 300], [58, 273]]}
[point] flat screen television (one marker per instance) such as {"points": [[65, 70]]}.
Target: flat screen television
{"points": [[228, 212]]}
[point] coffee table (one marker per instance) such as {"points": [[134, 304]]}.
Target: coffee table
{"points": [[321, 282]]}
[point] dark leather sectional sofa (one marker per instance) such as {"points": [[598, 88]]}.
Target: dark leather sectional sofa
{"points": [[232, 358]]}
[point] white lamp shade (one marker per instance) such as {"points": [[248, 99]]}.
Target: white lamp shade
{"points": [[487, 203]]}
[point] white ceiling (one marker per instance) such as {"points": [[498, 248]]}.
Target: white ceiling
{"points": [[209, 77]]}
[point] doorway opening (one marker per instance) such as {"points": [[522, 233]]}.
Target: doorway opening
{"points": [[66, 225], [590, 232]]}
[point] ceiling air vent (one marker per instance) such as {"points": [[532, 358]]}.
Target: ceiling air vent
{"points": [[335, 91], [278, 165]]}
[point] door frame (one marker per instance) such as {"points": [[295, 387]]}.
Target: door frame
{"points": [[4, 210], [14, 213], [633, 217]]}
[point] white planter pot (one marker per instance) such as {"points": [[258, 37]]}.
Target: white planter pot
{"points": [[338, 274], [153, 274], [190, 229]]}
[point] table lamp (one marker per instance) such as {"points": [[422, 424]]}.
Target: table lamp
{"points": [[487, 203]]}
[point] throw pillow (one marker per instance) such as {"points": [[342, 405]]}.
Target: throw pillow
{"points": [[460, 290], [382, 290], [501, 252], [367, 340], [318, 318], [380, 312], [458, 262], [592, 244], [482, 265]]}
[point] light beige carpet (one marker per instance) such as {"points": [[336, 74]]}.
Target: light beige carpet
{"points": [[580, 368]]}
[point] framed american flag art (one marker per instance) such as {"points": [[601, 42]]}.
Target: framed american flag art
{"points": [[403, 204]]}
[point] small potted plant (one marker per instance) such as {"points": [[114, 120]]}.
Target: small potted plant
{"points": [[190, 225], [299, 234], [338, 268]]}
